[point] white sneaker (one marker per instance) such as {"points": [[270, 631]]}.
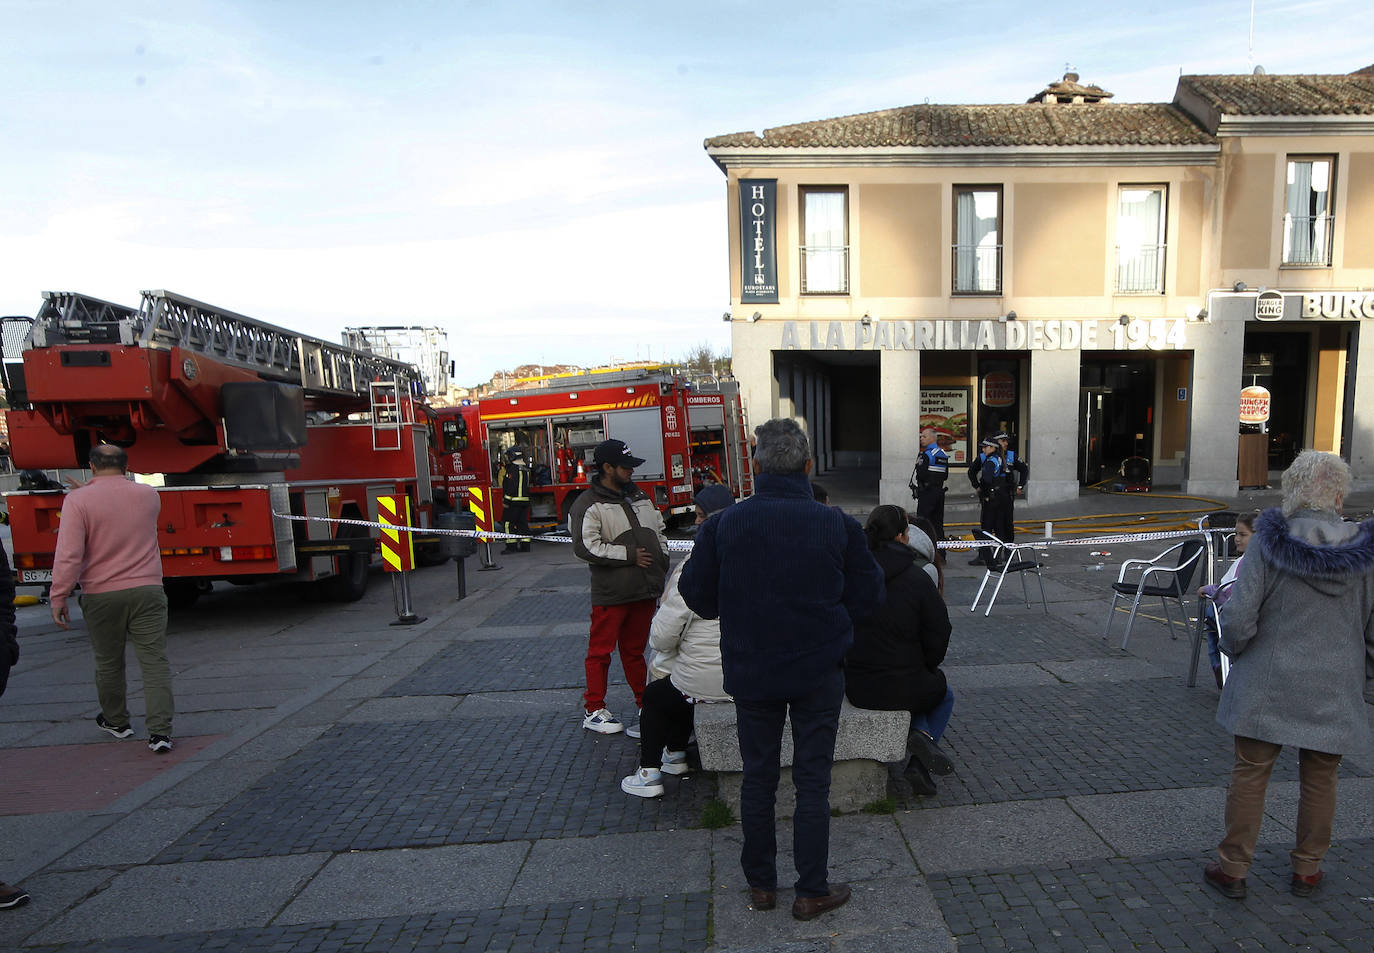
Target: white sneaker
{"points": [[602, 722], [632, 731], [646, 782], [674, 762]]}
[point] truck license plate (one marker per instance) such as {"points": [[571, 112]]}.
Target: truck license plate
{"points": [[35, 575]]}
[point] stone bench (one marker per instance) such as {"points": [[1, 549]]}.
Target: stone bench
{"points": [[866, 742]]}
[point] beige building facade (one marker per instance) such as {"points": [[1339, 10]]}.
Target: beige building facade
{"points": [[1099, 280]]}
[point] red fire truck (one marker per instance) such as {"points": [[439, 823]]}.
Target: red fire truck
{"points": [[687, 433], [244, 422]]}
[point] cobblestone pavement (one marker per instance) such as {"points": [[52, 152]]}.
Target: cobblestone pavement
{"points": [[365, 787]]}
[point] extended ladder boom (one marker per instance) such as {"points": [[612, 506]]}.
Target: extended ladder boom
{"points": [[167, 320]]}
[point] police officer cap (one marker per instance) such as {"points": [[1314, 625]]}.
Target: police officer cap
{"points": [[1001, 435], [988, 442]]}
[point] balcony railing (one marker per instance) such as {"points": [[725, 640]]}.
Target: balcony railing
{"points": [[825, 269], [1307, 239], [1140, 270], [977, 269]]}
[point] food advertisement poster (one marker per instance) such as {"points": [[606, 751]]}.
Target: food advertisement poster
{"points": [[946, 410]]}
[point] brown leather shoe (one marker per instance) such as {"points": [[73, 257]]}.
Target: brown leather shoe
{"points": [[1304, 884], [761, 899], [808, 908], [1233, 887]]}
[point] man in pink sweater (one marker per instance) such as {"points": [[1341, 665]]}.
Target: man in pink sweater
{"points": [[107, 542]]}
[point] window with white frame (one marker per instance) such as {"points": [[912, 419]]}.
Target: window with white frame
{"points": [[1140, 233], [825, 240], [977, 252], [1307, 220]]}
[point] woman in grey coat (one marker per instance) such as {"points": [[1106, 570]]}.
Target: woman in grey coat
{"points": [[1299, 630]]}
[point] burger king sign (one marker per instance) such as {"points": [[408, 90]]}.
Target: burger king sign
{"points": [[1254, 405]]}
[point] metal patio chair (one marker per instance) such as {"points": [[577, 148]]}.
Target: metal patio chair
{"points": [[1158, 579], [1013, 558], [1200, 629]]}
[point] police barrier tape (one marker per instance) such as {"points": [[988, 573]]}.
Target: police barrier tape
{"points": [[685, 545]]}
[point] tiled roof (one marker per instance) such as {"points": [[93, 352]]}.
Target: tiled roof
{"points": [[1264, 95], [1023, 124]]}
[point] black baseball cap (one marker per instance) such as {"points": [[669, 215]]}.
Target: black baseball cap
{"points": [[615, 452]]}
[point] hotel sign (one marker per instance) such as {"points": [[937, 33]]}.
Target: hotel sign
{"points": [[1158, 334], [758, 260]]}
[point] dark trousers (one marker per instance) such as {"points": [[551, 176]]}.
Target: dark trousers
{"points": [[931, 504], [665, 721], [517, 521], [815, 721], [995, 519]]}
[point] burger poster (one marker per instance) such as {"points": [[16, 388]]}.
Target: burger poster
{"points": [[946, 411]]}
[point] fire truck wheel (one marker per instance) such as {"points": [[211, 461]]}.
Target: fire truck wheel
{"points": [[181, 593], [350, 584]]}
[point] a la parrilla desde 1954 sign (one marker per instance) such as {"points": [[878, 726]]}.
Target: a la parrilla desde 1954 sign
{"points": [[1156, 334]]}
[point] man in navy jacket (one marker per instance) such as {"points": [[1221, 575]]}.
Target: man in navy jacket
{"points": [[786, 576]]}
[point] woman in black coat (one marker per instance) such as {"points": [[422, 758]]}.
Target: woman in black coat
{"points": [[894, 664]]}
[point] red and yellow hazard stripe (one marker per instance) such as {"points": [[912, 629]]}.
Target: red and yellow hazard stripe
{"points": [[398, 552], [477, 503]]}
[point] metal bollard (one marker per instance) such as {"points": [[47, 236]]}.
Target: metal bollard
{"points": [[400, 598]]}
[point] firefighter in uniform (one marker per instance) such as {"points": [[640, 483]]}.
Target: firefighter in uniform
{"points": [[928, 482], [996, 485], [515, 500]]}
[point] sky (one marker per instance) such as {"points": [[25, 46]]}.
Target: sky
{"points": [[527, 176]]}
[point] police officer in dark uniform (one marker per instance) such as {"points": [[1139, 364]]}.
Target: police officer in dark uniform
{"points": [[1019, 475], [928, 482], [515, 500], [995, 488]]}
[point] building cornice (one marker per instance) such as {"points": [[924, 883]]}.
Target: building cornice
{"points": [[728, 157], [1295, 126]]}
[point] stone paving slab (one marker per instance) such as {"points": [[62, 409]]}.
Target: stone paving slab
{"points": [[1158, 904], [53, 894], [399, 883], [168, 898], [566, 701], [496, 665], [675, 924], [441, 786], [645, 864], [135, 838], [999, 835], [862, 847], [1115, 669]]}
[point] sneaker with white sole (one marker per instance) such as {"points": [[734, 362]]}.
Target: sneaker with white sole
{"points": [[159, 744], [646, 782], [632, 729], [119, 731], [602, 722], [674, 762]]}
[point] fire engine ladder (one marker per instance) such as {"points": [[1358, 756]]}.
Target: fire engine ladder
{"points": [[737, 422], [167, 320], [386, 414]]}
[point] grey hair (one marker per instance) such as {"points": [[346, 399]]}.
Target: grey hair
{"points": [[1315, 481], [782, 447]]}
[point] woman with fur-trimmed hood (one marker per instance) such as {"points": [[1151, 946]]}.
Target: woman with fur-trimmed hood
{"points": [[1299, 630]]}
